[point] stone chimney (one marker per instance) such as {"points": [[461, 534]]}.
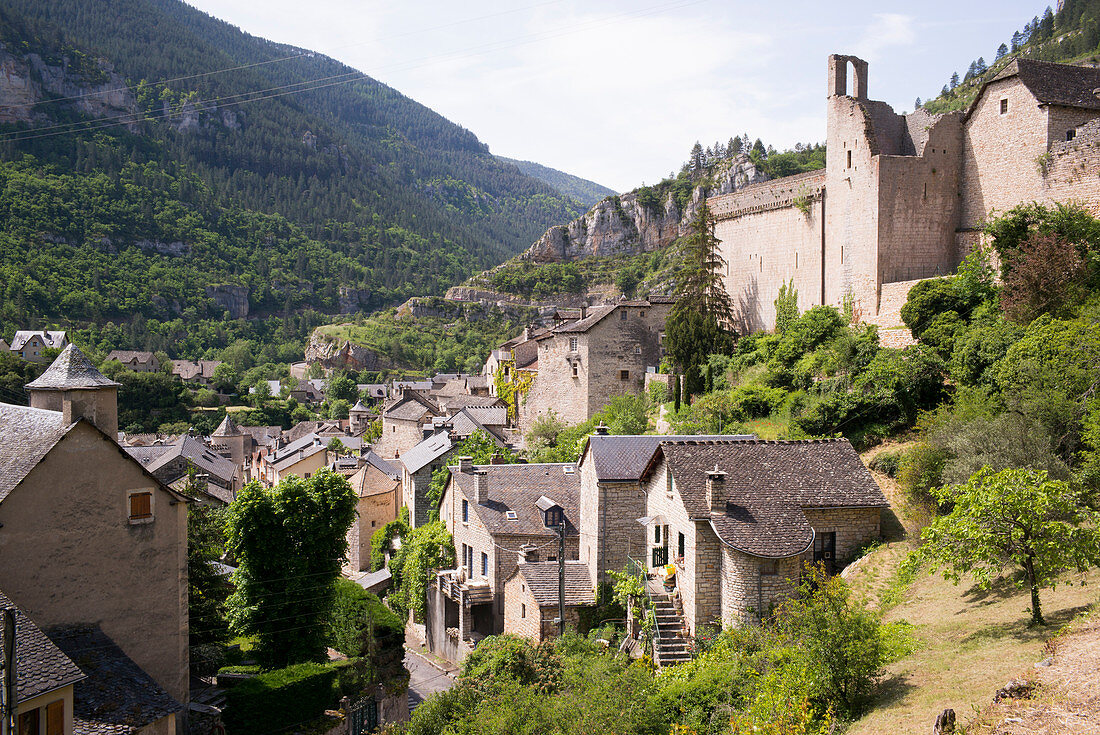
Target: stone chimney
{"points": [[466, 465], [73, 386], [528, 554], [602, 430], [481, 486], [584, 311], [716, 490], [497, 458]]}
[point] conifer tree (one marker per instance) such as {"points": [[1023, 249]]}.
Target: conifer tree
{"points": [[916, 105], [1001, 51], [1017, 39], [954, 80]]}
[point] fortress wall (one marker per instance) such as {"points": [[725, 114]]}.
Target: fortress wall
{"points": [[1073, 174], [768, 241], [851, 216], [999, 167], [918, 207]]}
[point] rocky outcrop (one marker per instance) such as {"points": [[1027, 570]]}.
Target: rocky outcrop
{"points": [[623, 225], [333, 354], [233, 299], [353, 300]]}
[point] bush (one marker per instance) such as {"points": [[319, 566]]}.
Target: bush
{"points": [[382, 538], [279, 699], [921, 469], [887, 463]]}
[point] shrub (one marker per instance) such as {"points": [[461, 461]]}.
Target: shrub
{"points": [[887, 463], [382, 538], [921, 469], [280, 698]]}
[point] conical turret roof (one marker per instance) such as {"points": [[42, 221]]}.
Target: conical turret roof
{"points": [[359, 407], [227, 428], [71, 370]]}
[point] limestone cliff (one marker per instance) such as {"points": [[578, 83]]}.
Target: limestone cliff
{"points": [[623, 225]]}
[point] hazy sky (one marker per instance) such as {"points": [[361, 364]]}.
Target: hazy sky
{"points": [[618, 91]]}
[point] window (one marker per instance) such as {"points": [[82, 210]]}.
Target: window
{"points": [[55, 718], [28, 722], [372, 524], [624, 375], [1070, 135], [465, 511], [576, 370], [641, 314], [522, 610], [573, 342], [484, 564], [769, 567], [141, 506], [637, 349], [1004, 106], [849, 159], [623, 317], [656, 534], [680, 545]]}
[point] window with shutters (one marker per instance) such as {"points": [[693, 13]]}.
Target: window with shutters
{"points": [[55, 718], [28, 722], [141, 506]]}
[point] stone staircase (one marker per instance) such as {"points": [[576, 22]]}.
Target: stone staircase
{"points": [[672, 642]]}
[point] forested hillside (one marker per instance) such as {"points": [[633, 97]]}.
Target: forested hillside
{"points": [[585, 191], [291, 175], [1070, 35]]}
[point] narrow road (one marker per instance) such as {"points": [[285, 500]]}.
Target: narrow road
{"points": [[424, 679]]}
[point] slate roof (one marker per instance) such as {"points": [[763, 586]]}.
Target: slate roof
{"points": [[198, 454], [359, 408], [286, 456], [40, 666], [596, 314], [464, 423], [488, 415], [767, 485], [49, 338], [1057, 84], [370, 480], [542, 580], [192, 369], [411, 406], [26, 436], [117, 696], [71, 370], [518, 487], [219, 493], [383, 465], [453, 403], [228, 427], [125, 356], [424, 453], [624, 458]]}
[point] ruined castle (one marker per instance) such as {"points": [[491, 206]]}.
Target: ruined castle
{"points": [[902, 197]]}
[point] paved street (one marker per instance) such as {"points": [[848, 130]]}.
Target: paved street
{"points": [[424, 679]]}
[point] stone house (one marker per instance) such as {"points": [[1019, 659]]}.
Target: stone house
{"points": [[135, 360], [121, 566], [197, 372], [173, 463], [31, 344], [613, 497], [582, 365], [302, 457], [740, 518], [902, 197], [377, 485], [403, 420], [531, 598], [493, 515]]}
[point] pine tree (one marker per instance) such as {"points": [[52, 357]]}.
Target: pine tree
{"points": [[1046, 25], [736, 145], [1017, 39], [954, 80], [696, 161], [945, 91], [1001, 51], [916, 105]]}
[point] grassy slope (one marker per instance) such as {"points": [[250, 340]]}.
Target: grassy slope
{"points": [[971, 642]]}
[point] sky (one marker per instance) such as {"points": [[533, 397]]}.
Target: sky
{"points": [[617, 91]]}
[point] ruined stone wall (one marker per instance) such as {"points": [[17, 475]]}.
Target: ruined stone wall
{"points": [[1072, 172], [767, 241], [854, 527], [918, 204], [1000, 152]]}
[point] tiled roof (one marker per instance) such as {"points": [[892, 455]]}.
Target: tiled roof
{"points": [[228, 427], [624, 457], [49, 338], [125, 356], [295, 452], [118, 696], [370, 480], [488, 415], [411, 406], [145, 455], [1057, 84], [359, 408], [219, 493], [26, 436], [40, 666], [518, 487], [198, 454], [384, 465], [767, 485], [191, 369], [432, 448], [453, 403], [542, 580], [477, 381], [595, 315], [71, 369]]}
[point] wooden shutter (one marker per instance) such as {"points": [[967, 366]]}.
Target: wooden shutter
{"points": [[55, 718], [141, 505]]}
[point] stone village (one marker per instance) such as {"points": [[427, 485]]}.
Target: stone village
{"points": [[102, 608]]}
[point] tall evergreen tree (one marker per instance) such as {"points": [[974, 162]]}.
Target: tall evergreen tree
{"points": [[954, 80], [1046, 25], [1001, 51], [916, 104], [1017, 39]]}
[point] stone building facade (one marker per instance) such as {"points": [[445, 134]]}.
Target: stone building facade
{"points": [[531, 598], [583, 364], [902, 197]]}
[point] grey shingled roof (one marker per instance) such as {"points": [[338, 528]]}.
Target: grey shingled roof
{"points": [[198, 454], [454, 403], [40, 666], [385, 466], [26, 436], [228, 427], [618, 457], [432, 448], [518, 487], [118, 696], [1057, 84], [542, 580], [411, 406], [767, 485], [595, 315], [71, 370], [50, 338]]}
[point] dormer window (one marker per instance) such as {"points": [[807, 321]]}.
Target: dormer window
{"points": [[552, 514]]}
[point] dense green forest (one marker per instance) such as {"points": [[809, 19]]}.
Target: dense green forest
{"points": [[1070, 34], [345, 184], [585, 191]]}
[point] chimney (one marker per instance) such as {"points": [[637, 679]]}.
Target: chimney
{"points": [[602, 430], [497, 458], [481, 489], [528, 553], [584, 311], [526, 333], [466, 465], [716, 490]]}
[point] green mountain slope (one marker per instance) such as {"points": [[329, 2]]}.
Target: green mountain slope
{"points": [[585, 191], [346, 188], [1070, 35]]}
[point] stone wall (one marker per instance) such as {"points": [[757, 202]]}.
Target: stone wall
{"points": [[854, 527], [767, 241], [374, 511], [398, 436], [521, 611], [1072, 170], [747, 593]]}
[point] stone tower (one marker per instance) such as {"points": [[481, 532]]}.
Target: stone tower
{"points": [[359, 417], [230, 441], [73, 386]]}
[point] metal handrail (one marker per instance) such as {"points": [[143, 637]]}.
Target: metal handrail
{"points": [[652, 611]]}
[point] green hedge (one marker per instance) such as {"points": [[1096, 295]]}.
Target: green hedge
{"points": [[281, 698]]}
